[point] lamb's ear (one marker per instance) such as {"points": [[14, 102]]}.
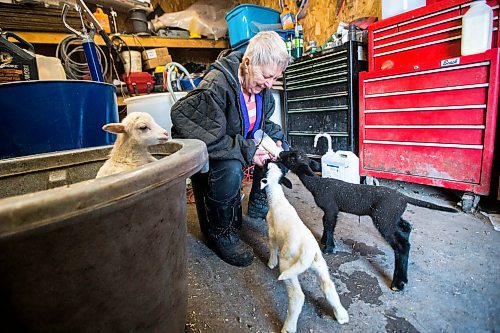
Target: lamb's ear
{"points": [[263, 183], [114, 128], [286, 182]]}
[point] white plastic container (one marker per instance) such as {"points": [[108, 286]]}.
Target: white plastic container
{"points": [[477, 26], [342, 165], [395, 7], [157, 105]]}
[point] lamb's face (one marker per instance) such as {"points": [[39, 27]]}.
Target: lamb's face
{"points": [[293, 159], [274, 175], [143, 128], [139, 128]]}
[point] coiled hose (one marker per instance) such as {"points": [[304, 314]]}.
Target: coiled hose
{"points": [[69, 49]]}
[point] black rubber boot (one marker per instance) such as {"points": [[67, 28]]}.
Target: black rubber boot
{"points": [[222, 235], [257, 201], [199, 182]]}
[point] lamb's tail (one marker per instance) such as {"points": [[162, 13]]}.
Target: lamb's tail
{"points": [[301, 264], [430, 205]]}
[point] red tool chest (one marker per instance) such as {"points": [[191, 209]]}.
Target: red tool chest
{"points": [[433, 125], [426, 35]]}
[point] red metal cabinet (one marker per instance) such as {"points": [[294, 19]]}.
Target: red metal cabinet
{"points": [[433, 126], [423, 36]]}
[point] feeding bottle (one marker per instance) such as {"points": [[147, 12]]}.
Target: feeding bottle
{"points": [[286, 18], [342, 165], [477, 26]]}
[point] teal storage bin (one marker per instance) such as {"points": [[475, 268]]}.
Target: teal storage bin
{"points": [[244, 20]]}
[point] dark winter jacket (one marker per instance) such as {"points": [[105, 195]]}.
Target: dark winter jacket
{"points": [[212, 113]]}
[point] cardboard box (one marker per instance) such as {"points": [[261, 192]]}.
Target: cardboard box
{"points": [[155, 57]]}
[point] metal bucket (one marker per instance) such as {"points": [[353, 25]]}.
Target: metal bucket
{"points": [[47, 116], [95, 255]]}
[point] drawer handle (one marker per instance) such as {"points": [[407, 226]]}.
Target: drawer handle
{"points": [[314, 71], [417, 37], [418, 19], [430, 108], [417, 46], [444, 69], [316, 85], [311, 110], [297, 99], [316, 78]]}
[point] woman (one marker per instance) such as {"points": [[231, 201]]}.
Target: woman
{"points": [[231, 103]]}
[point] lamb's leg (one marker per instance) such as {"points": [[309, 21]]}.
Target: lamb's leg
{"points": [[328, 287], [329, 223], [295, 303], [397, 234], [401, 254], [273, 257]]}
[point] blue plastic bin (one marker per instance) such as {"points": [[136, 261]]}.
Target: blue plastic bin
{"points": [[241, 19]]}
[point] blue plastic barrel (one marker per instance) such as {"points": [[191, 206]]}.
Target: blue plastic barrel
{"points": [[46, 116]]}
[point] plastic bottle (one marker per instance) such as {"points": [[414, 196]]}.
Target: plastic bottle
{"points": [[298, 42], [286, 18], [342, 165], [103, 19], [477, 26], [289, 44]]}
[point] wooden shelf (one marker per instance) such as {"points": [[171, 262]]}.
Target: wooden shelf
{"points": [[132, 41]]}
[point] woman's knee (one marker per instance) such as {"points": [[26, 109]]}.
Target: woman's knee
{"points": [[225, 179]]}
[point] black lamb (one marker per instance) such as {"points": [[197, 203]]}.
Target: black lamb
{"points": [[384, 205]]}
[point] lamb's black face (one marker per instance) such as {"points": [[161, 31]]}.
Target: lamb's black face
{"points": [[298, 162], [293, 159]]}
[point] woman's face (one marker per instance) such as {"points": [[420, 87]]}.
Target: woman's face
{"points": [[257, 78]]}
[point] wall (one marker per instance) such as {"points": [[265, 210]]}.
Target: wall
{"points": [[320, 21]]}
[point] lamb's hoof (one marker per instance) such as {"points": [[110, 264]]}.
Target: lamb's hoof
{"points": [[328, 249], [284, 330], [342, 316], [271, 266], [398, 285]]}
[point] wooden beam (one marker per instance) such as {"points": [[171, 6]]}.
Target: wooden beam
{"points": [[132, 41]]}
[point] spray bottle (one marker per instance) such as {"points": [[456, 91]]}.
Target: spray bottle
{"points": [[342, 165]]}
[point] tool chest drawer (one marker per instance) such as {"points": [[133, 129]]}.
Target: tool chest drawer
{"points": [[422, 36], [432, 126], [321, 96]]}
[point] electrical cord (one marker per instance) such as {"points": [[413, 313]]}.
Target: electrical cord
{"points": [[71, 48]]}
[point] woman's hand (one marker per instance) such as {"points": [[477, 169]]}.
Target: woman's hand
{"points": [[260, 157]]}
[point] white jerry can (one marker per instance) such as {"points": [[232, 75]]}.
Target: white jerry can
{"points": [[342, 165]]}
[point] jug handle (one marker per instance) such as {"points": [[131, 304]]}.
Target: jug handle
{"points": [[21, 41]]}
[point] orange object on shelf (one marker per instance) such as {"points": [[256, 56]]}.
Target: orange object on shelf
{"points": [[103, 20]]}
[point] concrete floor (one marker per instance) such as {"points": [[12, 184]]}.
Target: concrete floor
{"points": [[454, 275]]}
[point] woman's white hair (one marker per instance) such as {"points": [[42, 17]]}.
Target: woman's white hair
{"points": [[266, 48]]}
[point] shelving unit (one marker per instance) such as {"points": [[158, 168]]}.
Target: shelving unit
{"points": [[132, 41]]}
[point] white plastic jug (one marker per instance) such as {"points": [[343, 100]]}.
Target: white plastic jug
{"points": [[395, 7], [477, 26], [342, 165]]}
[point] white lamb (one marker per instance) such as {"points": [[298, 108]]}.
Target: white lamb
{"points": [[298, 248], [135, 133]]}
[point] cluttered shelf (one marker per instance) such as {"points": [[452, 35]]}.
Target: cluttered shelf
{"points": [[131, 40]]}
